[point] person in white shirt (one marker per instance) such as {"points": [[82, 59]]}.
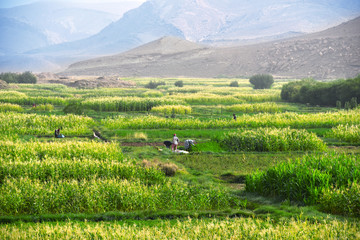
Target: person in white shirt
{"points": [[175, 143]]}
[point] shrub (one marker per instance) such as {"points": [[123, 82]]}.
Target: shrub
{"points": [[234, 84], [262, 81], [179, 83], [154, 84]]}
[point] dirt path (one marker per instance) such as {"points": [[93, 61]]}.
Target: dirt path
{"points": [[142, 144]]}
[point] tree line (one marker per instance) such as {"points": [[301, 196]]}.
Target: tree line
{"points": [[339, 93], [25, 77]]}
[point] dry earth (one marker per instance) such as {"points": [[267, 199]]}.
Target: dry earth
{"points": [[85, 81]]}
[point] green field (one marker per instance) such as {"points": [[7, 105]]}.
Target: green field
{"points": [[279, 171]]}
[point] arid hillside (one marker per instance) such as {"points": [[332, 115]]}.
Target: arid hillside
{"points": [[333, 53]]}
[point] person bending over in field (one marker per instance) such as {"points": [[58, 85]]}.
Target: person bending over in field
{"points": [[57, 134], [175, 143], [188, 143]]}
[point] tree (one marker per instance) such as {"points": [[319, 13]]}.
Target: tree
{"points": [[262, 81], [27, 77]]}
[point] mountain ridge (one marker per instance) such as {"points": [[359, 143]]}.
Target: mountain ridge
{"points": [[332, 53], [225, 23]]}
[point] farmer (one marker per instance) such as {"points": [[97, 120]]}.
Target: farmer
{"points": [[234, 116], [57, 134], [188, 143], [175, 142]]}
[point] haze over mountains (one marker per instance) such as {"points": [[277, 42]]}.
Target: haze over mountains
{"points": [[213, 22]]}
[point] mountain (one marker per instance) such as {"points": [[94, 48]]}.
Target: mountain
{"points": [[58, 22], [212, 22], [43, 24], [332, 53], [13, 33]]}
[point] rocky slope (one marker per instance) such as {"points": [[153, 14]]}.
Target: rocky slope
{"points": [[333, 53]]}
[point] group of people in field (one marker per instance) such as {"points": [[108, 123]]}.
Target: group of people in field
{"points": [[175, 142], [187, 144]]}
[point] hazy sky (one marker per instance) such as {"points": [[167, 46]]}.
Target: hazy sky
{"points": [[13, 3]]}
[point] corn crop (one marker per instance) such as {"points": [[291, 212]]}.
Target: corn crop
{"points": [[170, 109], [254, 108], [28, 196], [234, 228], [84, 168], [8, 107], [272, 139], [33, 124], [127, 103], [347, 133], [30, 151], [342, 201], [43, 107], [306, 179], [22, 99], [280, 120]]}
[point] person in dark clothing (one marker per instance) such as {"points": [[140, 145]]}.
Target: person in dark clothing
{"points": [[234, 116], [167, 144], [57, 134]]}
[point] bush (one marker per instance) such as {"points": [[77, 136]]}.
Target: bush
{"points": [[262, 81], [234, 84], [154, 84], [179, 83]]}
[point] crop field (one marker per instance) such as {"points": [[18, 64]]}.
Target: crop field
{"points": [[279, 170]]}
